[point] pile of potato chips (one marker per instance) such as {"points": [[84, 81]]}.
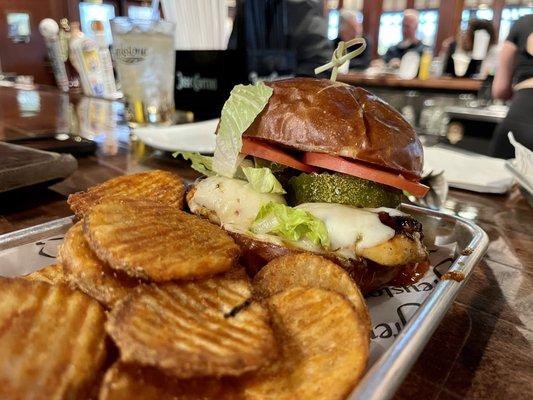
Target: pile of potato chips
{"points": [[165, 287]]}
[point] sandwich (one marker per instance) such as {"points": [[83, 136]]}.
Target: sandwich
{"points": [[311, 165]]}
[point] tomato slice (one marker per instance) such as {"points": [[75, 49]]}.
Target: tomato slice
{"points": [[254, 148], [363, 171]]}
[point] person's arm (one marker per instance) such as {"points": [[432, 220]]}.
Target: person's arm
{"points": [[489, 65], [502, 86], [395, 63]]}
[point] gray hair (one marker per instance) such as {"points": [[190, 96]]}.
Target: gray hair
{"points": [[349, 15], [411, 13]]}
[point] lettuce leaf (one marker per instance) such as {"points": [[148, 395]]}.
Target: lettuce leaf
{"points": [[262, 180], [200, 163], [290, 223], [239, 174], [204, 165], [240, 110]]}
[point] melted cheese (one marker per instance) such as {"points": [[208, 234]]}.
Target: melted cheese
{"points": [[350, 229], [234, 201], [393, 212]]}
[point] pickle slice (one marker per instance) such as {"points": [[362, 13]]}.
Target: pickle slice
{"points": [[342, 189]]}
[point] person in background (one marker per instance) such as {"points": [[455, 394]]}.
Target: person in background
{"points": [[308, 35], [465, 44], [409, 42], [514, 80], [349, 29], [304, 33]]}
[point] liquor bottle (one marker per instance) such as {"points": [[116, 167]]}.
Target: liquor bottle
{"points": [[64, 38], [83, 53], [110, 89], [50, 32]]}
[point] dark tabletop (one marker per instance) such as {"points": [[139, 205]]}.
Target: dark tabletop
{"points": [[483, 347]]}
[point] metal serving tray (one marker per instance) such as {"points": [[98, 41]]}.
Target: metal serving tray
{"points": [[389, 370]]}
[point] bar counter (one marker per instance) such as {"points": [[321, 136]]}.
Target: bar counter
{"points": [[391, 81], [483, 347]]}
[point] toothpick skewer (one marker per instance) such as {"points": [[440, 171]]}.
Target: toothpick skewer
{"points": [[340, 56]]}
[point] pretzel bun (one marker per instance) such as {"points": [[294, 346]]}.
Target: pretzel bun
{"points": [[318, 115]]}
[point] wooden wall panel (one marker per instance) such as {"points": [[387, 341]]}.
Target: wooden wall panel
{"points": [[449, 20], [29, 58], [73, 10], [371, 14], [497, 6]]}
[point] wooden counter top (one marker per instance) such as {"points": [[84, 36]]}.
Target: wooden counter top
{"points": [[482, 349], [443, 83]]}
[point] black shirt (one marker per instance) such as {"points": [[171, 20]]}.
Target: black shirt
{"points": [[304, 35], [398, 52], [521, 33], [474, 66], [308, 37], [362, 61]]}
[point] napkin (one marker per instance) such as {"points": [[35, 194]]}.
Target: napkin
{"points": [[469, 171], [523, 161]]}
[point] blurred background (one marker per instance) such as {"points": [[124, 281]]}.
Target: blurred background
{"points": [[460, 71]]}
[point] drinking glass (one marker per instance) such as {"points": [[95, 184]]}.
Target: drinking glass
{"points": [[145, 61]]}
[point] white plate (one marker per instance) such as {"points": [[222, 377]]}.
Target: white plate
{"points": [[469, 171], [194, 137]]}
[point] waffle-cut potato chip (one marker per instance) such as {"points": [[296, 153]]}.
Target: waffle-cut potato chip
{"points": [[52, 274], [192, 329], [324, 346], [84, 270], [128, 381], [309, 270], [160, 186], [52, 341], [157, 242]]}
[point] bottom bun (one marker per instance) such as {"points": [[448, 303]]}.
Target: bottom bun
{"points": [[368, 275]]}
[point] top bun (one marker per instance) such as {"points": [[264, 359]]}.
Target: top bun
{"points": [[319, 115]]}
